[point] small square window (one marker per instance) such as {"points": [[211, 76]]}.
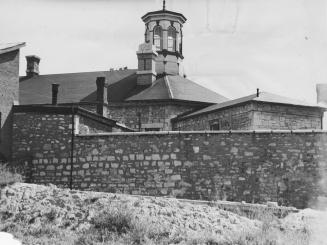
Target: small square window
{"points": [[215, 126], [151, 129]]}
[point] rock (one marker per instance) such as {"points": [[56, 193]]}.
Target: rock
{"points": [[8, 239], [272, 204]]}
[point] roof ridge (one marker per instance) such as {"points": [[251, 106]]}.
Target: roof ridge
{"points": [[170, 92], [8, 47], [83, 72]]}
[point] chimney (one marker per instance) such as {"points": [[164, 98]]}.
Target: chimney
{"points": [[146, 73], [55, 87], [101, 95], [33, 62], [258, 92]]}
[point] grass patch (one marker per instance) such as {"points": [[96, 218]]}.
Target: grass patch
{"points": [[119, 224], [118, 221]]}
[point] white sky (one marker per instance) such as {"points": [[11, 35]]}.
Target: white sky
{"points": [[230, 46]]}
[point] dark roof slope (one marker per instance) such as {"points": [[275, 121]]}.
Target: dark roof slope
{"points": [[122, 86], [160, 12], [74, 87], [263, 97], [178, 88]]}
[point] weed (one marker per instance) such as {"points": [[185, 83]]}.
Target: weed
{"points": [[51, 215], [114, 219]]}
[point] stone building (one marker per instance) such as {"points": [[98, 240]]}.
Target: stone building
{"points": [[77, 130], [260, 111], [157, 96]]}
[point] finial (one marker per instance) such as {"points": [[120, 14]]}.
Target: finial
{"points": [[164, 5]]}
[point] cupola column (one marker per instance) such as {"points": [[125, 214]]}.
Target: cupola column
{"points": [[164, 34]]}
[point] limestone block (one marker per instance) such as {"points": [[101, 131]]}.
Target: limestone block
{"points": [[206, 157], [176, 177], [165, 157], [160, 163], [139, 157], [177, 163], [50, 167], [156, 157], [169, 184], [168, 171], [111, 158], [196, 149]]}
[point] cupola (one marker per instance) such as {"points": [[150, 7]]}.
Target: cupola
{"points": [[163, 30]]}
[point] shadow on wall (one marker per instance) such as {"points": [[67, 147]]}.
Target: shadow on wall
{"points": [[321, 90], [6, 136]]}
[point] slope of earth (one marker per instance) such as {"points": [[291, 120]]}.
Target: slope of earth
{"points": [[38, 214]]}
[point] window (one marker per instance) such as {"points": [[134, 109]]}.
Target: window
{"points": [[152, 129], [146, 34], [157, 37], [215, 126], [171, 39]]}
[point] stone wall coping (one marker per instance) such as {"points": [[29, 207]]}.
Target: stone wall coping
{"points": [[298, 131]]}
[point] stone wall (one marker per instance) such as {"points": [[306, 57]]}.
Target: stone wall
{"points": [[9, 85], [151, 114], [282, 166], [41, 140], [40, 143], [252, 115], [274, 116], [235, 118], [254, 167], [87, 126]]}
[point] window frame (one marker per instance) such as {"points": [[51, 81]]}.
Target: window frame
{"points": [[171, 35], [157, 37]]}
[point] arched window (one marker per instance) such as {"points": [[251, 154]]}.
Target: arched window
{"points": [[171, 39], [146, 34], [157, 37]]}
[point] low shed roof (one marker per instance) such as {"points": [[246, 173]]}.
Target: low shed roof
{"points": [[261, 97]]}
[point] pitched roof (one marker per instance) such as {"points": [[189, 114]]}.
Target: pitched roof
{"points": [[178, 88], [122, 86], [263, 97], [8, 47], [74, 87], [163, 12]]}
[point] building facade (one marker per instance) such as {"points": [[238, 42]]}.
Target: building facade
{"points": [[9, 90], [98, 130]]}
